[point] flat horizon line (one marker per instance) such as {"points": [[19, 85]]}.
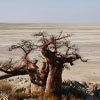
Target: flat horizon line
{"points": [[48, 23]]}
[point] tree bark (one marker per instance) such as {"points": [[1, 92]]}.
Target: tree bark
{"points": [[54, 81]]}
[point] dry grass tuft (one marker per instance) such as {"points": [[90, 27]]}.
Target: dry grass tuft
{"points": [[18, 96], [5, 87]]}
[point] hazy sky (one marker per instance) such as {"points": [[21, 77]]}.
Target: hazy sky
{"points": [[61, 11]]}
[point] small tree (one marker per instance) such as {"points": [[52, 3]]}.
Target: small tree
{"points": [[49, 75]]}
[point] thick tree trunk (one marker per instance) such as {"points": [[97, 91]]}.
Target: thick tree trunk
{"points": [[38, 80], [54, 81], [36, 84]]}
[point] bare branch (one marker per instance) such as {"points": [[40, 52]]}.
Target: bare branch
{"points": [[5, 71], [15, 72], [60, 34], [24, 72], [79, 57], [5, 76], [67, 51], [52, 41], [26, 45], [8, 65]]}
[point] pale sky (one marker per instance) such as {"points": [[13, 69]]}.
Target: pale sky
{"points": [[50, 11]]}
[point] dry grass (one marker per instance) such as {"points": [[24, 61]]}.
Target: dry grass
{"points": [[5, 87], [41, 95], [75, 93], [18, 96]]}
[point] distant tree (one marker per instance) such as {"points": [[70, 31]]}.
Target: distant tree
{"points": [[49, 74]]}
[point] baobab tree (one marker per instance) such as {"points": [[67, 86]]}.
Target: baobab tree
{"points": [[49, 74]]}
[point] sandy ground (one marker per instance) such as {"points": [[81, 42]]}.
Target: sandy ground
{"points": [[85, 36]]}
